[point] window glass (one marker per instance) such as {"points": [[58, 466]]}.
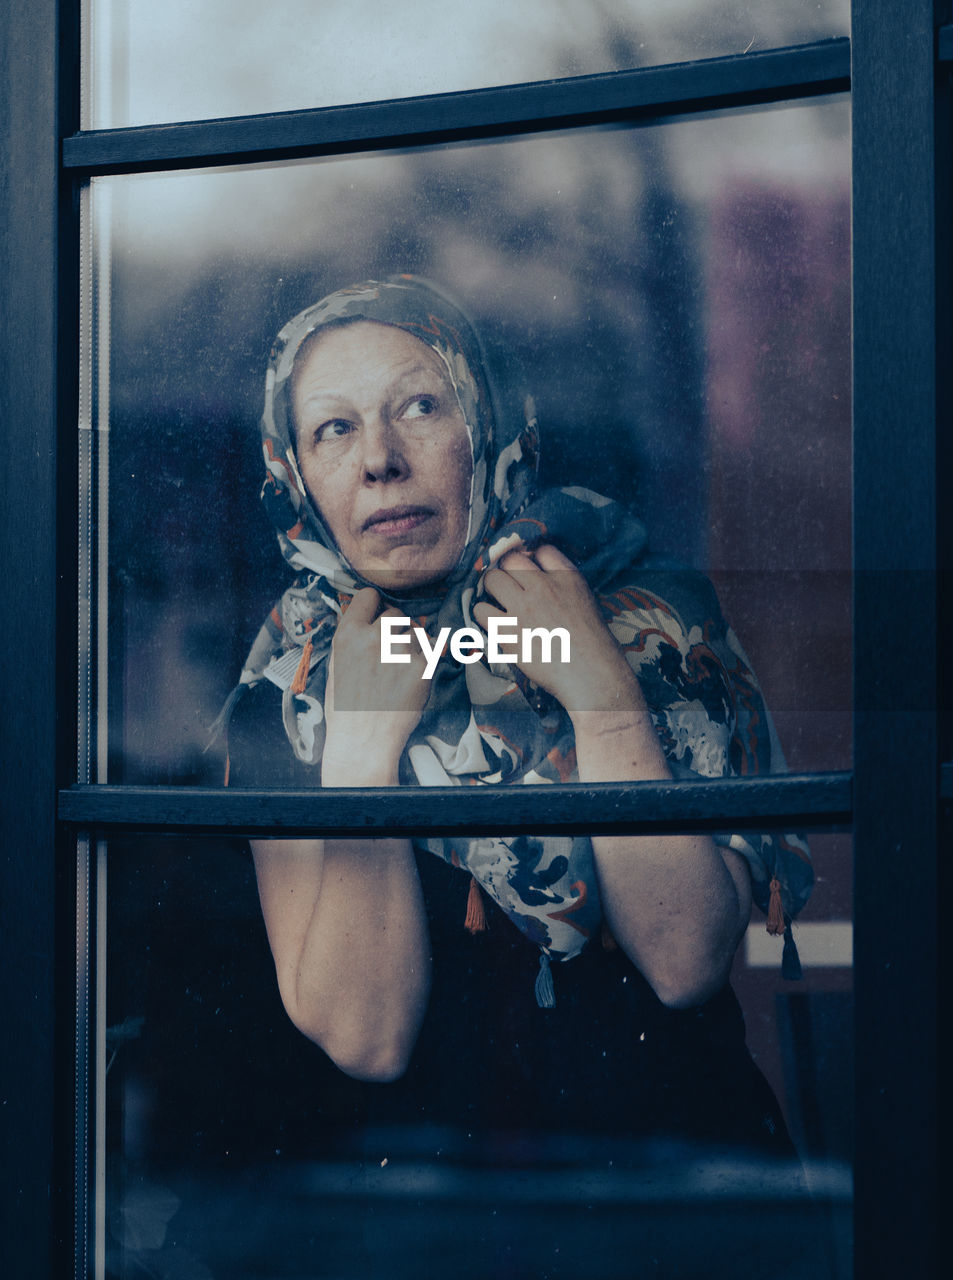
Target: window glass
{"points": [[674, 298], [193, 59], [230, 1145]]}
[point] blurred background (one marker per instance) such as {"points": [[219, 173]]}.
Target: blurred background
{"points": [[198, 59], [676, 299]]}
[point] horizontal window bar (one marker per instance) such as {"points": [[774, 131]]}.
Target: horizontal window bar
{"points": [[677, 89], [789, 801]]}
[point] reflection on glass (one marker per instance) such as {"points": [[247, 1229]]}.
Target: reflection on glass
{"points": [[605, 1136], [676, 300], [527, 1082], [185, 60], [514, 1094]]}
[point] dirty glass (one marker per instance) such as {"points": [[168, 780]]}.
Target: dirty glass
{"points": [[196, 59], [229, 1145], [674, 299]]}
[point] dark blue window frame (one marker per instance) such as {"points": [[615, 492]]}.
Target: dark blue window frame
{"points": [[897, 797]]}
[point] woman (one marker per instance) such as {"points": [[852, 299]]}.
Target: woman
{"points": [[401, 488]]}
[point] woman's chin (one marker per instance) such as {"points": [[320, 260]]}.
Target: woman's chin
{"points": [[405, 579]]}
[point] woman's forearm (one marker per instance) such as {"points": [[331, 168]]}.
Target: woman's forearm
{"points": [[346, 918], [348, 932], [677, 905]]}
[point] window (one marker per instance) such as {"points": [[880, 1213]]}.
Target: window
{"points": [[890, 797]]}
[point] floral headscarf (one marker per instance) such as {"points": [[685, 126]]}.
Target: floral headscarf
{"points": [[487, 724]]}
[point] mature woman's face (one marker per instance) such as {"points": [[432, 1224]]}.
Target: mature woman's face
{"points": [[384, 451]]}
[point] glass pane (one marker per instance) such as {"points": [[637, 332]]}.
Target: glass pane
{"points": [[675, 298], [195, 59], [605, 1136]]}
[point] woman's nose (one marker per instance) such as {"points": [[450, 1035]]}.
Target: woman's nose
{"points": [[383, 457]]}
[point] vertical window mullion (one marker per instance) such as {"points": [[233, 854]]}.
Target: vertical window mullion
{"points": [[895, 113], [38, 304]]}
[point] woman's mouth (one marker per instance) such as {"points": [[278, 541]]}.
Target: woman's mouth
{"points": [[390, 522]]}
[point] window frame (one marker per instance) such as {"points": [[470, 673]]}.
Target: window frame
{"points": [[897, 795]]}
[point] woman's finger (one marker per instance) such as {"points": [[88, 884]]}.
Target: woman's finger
{"points": [[503, 587], [517, 561], [550, 558], [364, 606], [483, 612]]}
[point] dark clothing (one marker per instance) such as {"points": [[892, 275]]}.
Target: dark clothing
{"points": [[609, 1060]]}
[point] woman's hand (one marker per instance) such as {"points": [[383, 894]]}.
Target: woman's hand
{"points": [[545, 589], [371, 708]]}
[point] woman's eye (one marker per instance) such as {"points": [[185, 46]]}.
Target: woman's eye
{"points": [[421, 407], [333, 430]]}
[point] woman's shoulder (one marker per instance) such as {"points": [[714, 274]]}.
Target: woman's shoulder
{"points": [[670, 591]]}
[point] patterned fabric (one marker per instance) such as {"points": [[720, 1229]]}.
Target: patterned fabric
{"points": [[487, 724]]}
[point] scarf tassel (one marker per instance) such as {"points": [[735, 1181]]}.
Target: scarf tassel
{"points": [[300, 682], [775, 925], [790, 960], [219, 726], [778, 925], [476, 913], [545, 993]]}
